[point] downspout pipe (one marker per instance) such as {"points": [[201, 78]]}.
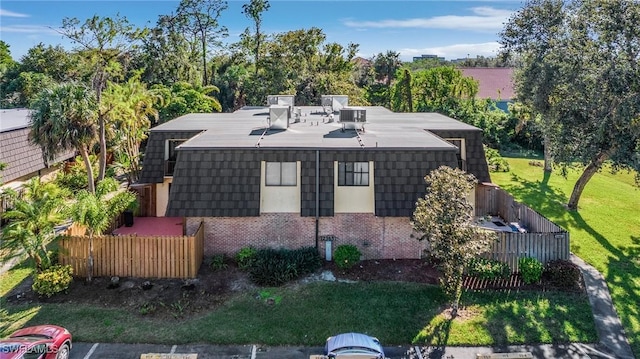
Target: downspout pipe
{"points": [[317, 199]]}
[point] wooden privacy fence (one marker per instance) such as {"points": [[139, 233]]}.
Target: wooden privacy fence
{"points": [[136, 256], [545, 247], [543, 239]]}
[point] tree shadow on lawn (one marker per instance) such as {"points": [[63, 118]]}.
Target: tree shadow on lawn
{"points": [[509, 317], [623, 273], [438, 337], [623, 267], [543, 198]]}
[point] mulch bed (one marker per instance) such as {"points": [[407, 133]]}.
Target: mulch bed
{"points": [[153, 297]]}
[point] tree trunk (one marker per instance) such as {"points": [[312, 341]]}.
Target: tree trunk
{"points": [[548, 160], [103, 149], [37, 260], [257, 55], [586, 175], [407, 89], [458, 290], [102, 164], [389, 90], [90, 260], [204, 62], [87, 163]]}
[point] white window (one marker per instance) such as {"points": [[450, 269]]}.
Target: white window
{"points": [[353, 173], [281, 174]]}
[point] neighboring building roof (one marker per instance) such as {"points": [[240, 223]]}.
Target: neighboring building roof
{"points": [[12, 119], [245, 127], [495, 83], [21, 156]]}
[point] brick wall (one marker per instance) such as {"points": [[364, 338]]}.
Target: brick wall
{"points": [[376, 237]]}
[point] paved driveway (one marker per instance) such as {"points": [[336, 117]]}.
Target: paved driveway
{"points": [[133, 351]]}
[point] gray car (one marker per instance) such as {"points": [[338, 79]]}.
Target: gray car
{"points": [[353, 345]]}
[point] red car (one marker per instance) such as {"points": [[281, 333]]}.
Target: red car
{"points": [[39, 342]]}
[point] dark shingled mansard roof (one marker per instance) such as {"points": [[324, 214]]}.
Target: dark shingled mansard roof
{"points": [[217, 172]]}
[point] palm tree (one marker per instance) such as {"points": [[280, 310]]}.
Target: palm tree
{"points": [[96, 211], [129, 107], [63, 118], [32, 221]]}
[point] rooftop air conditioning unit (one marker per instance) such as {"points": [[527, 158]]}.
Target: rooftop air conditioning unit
{"points": [[281, 100], [334, 103], [353, 118], [279, 117]]}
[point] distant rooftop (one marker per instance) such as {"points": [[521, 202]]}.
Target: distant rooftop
{"points": [[247, 128], [494, 82], [12, 119]]}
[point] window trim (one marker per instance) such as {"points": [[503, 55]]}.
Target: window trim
{"points": [[463, 150], [166, 146], [280, 175], [167, 160], [344, 173]]}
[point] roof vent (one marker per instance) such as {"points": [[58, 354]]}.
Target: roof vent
{"points": [[281, 100], [353, 118], [279, 117], [334, 103]]}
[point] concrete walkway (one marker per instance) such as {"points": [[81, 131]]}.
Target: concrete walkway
{"points": [[613, 339]]}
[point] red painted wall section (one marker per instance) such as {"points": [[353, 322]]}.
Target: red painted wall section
{"points": [[376, 237]]}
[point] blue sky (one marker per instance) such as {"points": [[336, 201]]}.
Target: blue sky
{"points": [[449, 28]]}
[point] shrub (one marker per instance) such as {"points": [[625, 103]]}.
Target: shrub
{"points": [[346, 256], [306, 259], [273, 267], [530, 269], [562, 274], [217, 262], [52, 280], [495, 161], [484, 268], [245, 256]]}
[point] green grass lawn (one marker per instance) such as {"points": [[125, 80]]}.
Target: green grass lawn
{"points": [[605, 230], [397, 313]]}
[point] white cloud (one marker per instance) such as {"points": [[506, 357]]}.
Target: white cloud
{"points": [[456, 51], [483, 19], [7, 13], [28, 29]]}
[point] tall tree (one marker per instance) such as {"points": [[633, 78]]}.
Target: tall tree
{"points": [[199, 20], [385, 66], [31, 223], [583, 78], [402, 93], [23, 89], [253, 10], [542, 23], [167, 56], [6, 61], [8, 72], [299, 62], [63, 118], [96, 211], [129, 109], [445, 218], [442, 89], [103, 41], [232, 78], [53, 61], [183, 98]]}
